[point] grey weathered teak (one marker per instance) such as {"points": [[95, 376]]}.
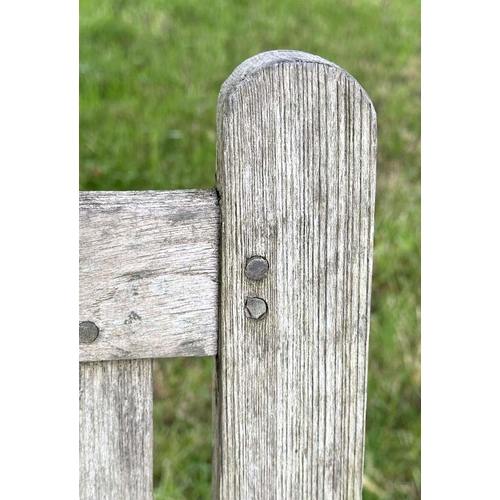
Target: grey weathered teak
{"points": [[270, 272]]}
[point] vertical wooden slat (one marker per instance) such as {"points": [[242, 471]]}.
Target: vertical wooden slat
{"points": [[296, 157], [116, 430]]}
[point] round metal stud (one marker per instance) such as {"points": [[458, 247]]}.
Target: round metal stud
{"points": [[255, 307], [88, 332], [256, 268]]}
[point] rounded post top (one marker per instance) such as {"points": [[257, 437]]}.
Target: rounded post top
{"points": [[257, 63]]}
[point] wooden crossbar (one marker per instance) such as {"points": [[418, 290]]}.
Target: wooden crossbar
{"points": [[148, 273]]}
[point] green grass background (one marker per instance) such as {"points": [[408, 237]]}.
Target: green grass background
{"points": [[150, 73]]}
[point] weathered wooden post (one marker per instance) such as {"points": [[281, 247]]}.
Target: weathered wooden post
{"points": [[296, 157], [116, 430]]}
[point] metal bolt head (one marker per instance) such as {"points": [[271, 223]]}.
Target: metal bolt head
{"points": [[256, 268], [255, 307], [88, 332]]}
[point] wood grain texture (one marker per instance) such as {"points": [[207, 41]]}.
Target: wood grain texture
{"points": [[148, 273], [296, 156], [116, 430]]}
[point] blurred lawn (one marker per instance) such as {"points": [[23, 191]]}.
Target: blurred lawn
{"points": [[150, 73]]}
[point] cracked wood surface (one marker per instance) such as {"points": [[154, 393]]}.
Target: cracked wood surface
{"points": [[148, 273]]}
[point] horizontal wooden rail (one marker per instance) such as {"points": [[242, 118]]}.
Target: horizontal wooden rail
{"points": [[148, 274]]}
